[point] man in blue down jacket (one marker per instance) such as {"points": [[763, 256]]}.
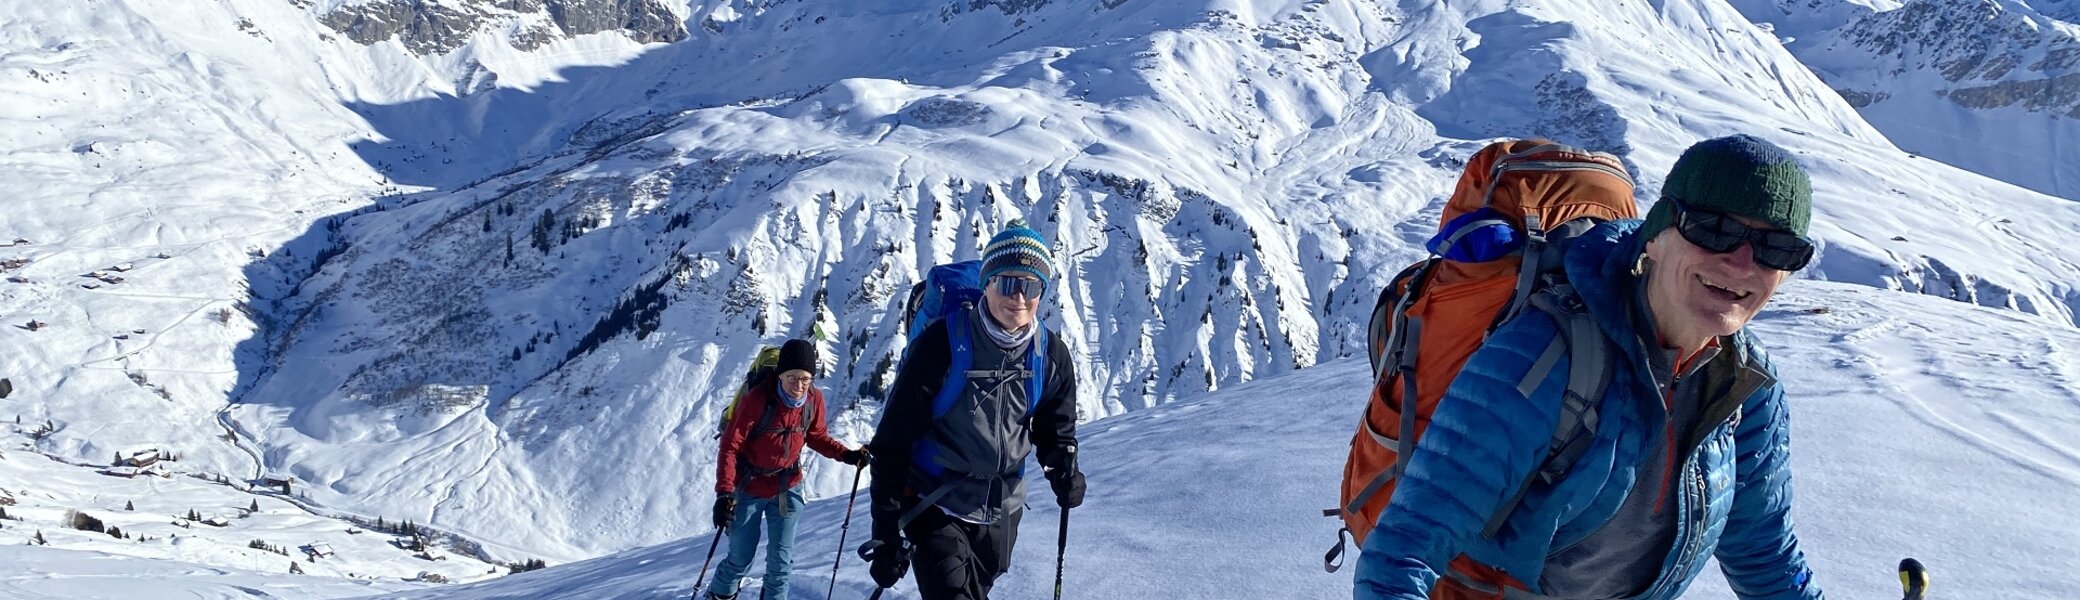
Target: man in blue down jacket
{"points": [[1691, 456]]}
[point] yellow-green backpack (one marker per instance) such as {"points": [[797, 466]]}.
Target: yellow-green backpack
{"points": [[762, 368]]}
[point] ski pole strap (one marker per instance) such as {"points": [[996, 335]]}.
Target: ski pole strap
{"points": [[1334, 559]]}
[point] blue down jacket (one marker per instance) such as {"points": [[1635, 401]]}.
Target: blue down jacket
{"points": [[1486, 438]]}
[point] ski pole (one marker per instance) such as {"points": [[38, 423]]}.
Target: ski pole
{"points": [[704, 564], [863, 555], [1061, 540], [844, 529], [1061, 547], [1913, 578]]}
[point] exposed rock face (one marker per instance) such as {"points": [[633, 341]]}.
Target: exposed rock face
{"points": [[2057, 95], [427, 28], [642, 20], [1997, 56]]}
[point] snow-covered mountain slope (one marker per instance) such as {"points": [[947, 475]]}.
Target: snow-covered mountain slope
{"points": [[160, 161], [1921, 428], [39, 573], [185, 530], [523, 280], [1988, 85], [154, 153], [1227, 186]]}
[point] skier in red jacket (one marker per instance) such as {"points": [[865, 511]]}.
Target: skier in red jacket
{"points": [[759, 472]]}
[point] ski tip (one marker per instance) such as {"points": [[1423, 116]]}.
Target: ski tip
{"points": [[1913, 579]]}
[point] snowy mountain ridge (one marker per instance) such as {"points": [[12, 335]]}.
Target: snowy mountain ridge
{"points": [[828, 226], [1988, 85]]}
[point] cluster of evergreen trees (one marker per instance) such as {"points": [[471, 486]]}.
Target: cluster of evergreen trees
{"points": [[263, 545], [641, 311], [532, 564]]}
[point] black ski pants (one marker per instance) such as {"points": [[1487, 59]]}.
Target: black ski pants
{"points": [[958, 560]]}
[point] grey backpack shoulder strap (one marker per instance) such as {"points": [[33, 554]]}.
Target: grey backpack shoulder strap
{"points": [[1588, 377]]}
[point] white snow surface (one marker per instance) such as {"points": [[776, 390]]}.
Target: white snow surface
{"points": [[1921, 428], [164, 551], [37, 573], [312, 239]]}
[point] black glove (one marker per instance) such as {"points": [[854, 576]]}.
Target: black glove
{"points": [[725, 510], [857, 457], [888, 560], [1068, 487]]}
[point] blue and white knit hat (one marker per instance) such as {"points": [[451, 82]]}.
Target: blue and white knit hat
{"points": [[1017, 248]]}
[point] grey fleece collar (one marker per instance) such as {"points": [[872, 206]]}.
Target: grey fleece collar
{"points": [[1008, 340]]}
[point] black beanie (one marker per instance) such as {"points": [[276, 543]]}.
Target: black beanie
{"points": [[797, 354]]}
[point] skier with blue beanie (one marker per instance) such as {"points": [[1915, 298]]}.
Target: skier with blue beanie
{"points": [[977, 392]]}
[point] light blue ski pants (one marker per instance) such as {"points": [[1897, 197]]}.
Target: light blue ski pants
{"points": [[778, 515]]}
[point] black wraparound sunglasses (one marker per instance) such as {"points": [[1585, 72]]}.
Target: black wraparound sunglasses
{"points": [[1720, 233], [1013, 286]]}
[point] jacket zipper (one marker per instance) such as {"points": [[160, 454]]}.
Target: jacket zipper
{"points": [[1693, 501], [1668, 432], [1693, 505]]}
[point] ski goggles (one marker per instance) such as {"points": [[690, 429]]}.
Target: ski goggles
{"points": [[1013, 286], [1720, 233]]}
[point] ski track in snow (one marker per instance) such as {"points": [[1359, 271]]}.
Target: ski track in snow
{"points": [[1911, 402], [155, 337], [2071, 472]]}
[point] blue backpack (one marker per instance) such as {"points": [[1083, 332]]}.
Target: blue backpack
{"points": [[946, 291]]}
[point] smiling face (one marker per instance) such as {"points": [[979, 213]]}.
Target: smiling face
{"points": [[1014, 312], [1697, 295]]}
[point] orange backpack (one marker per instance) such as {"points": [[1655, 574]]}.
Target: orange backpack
{"points": [[1500, 240]]}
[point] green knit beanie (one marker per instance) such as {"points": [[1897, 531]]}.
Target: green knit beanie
{"points": [[1740, 175]]}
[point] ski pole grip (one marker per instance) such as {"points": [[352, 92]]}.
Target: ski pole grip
{"points": [[1913, 579]]}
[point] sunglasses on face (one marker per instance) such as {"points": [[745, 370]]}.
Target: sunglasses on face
{"points": [[1720, 233], [1013, 286]]}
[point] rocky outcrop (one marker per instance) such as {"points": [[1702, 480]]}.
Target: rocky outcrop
{"points": [[428, 28], [1996, 55]]}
